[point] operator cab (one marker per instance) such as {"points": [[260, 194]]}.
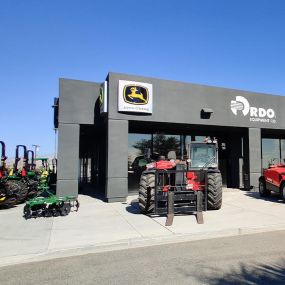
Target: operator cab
{"points": [[203, 155]]}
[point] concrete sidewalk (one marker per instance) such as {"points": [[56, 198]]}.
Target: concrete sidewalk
{"points": [[99, 226]]}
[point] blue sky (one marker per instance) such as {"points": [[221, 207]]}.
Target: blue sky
{"points": [[229, 43]]}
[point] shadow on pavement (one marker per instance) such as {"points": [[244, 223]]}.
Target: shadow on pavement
{"points": [[274, 197], [246, 274], [92, 190], [4, 207], [133, 208]]}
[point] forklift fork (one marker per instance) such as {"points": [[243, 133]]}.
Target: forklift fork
{"points": [[170, 208]]}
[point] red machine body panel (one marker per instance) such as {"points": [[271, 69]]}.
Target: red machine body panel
{"points": [[193, 182], [275, 174]]}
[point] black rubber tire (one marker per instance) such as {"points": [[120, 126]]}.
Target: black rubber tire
{"points": [[65, 209], [23, 192], [263, 192], [215, 191], [32, 189], [48, 213], [12, 187], [27, 212], [282, 191], [11, 200], [56, 212], [146, 193]]}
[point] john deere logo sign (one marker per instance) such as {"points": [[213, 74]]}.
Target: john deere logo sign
{"points": [[256, 114], [135, 94], [135, 97]]}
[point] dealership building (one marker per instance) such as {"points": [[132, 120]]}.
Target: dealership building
{"points": [[104, 128]]}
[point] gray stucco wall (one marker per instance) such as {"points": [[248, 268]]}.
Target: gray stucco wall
{"points": [[117, 161], [68, 162], [254, 138], [77, 101], [76, 106], [182, 103]]}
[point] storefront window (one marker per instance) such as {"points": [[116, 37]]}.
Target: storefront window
{"points": [[137, 145], [162, 144], [200, 138], [282, 151], [158, 144], [270, 152]]}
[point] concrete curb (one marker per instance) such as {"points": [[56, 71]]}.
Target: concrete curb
{"points": [[133, 243]]}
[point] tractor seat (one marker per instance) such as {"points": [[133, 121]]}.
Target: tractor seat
{"points": [[171, 155]]}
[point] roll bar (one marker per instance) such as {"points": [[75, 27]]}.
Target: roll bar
{"points": [[17, 158], [31, 166]]}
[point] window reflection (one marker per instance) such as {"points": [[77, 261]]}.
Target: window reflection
{"points": [[270, 152], [200, 138], [282, 151], [137, 143], [159, 144], [162, 144]]}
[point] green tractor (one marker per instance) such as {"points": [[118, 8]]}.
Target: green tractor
{"points": [[9, 190], [22, 179]]}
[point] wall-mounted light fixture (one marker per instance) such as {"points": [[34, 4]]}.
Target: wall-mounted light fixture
{"points": [[206, 113]]}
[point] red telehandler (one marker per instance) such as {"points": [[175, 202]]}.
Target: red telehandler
{"points": [[175, 186]]}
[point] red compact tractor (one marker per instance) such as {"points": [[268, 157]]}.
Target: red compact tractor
{"points": [[182, 186], [273, 179]]}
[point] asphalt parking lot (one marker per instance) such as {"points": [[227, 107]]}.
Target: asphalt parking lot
{"points": [[100, 226]]}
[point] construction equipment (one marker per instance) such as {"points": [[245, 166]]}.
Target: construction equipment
{"points": [[47, 204], [273, 179], [8, 190], [8, 193], [24, 178], [44, 162], [31, 160], [3, 169], [190, 185]]}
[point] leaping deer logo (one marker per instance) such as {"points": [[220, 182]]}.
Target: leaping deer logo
{"points": [[137, 95]]}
